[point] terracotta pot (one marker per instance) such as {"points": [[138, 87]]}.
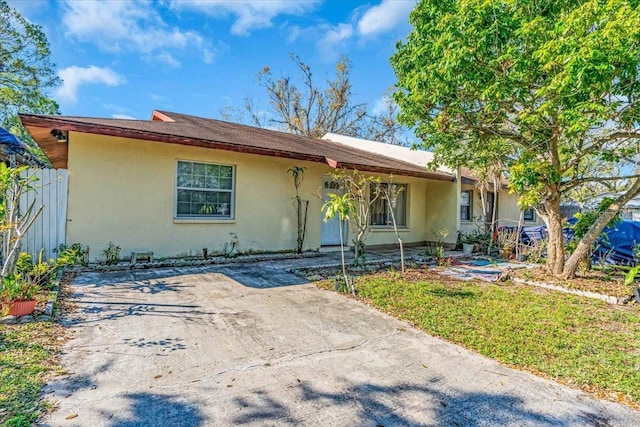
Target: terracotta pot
{"points": [[19, 308]]}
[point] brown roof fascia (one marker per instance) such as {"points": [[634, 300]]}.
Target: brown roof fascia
{"points": [[69, 125], [468, 181], [387, 171], [66, 124], [398, 172]]}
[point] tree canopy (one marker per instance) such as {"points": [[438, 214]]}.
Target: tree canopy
{"points": [[26, 70], [303, 106], [547, 89]]}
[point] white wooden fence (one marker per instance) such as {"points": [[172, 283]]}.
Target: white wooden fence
{"points": [[49, 229]]}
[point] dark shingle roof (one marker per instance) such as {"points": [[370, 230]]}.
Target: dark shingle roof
{"points": [[184, 129]]}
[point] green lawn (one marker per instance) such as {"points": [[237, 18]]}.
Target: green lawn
{"points": [[578, 341], [27, 356]]}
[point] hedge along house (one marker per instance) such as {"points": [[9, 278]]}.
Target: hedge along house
{"points": [[176, 184], [469, 213]]}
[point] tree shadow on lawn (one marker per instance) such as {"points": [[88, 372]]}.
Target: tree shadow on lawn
{"points": [[452, 293], [405, 405]]}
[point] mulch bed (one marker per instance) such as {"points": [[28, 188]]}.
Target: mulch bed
{"points": [[591, 281]]}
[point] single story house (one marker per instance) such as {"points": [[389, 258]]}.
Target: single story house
{"points": [[469, 215], [177, 184]]}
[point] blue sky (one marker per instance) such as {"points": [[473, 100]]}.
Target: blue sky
{"points": [[125, 58]]}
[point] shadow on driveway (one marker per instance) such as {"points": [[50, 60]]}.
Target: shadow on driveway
{"points": [[244, 345], [148, 409], [261, 276], [405, 404], [110, 295]]}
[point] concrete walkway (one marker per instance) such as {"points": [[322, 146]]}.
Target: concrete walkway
{"points": [[253, 345]]}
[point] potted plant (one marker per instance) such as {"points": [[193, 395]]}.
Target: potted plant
{"points": [[507, 239], [18, 295], [468, 243], [476, 240]]}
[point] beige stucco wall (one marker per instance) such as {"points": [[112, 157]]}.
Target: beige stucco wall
{"points": [[442, 205], [430, 205], [508, 211], [123, 190]]}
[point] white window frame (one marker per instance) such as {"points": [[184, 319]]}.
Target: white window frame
{"points": [[207, 218], [470, 205], [406, 209]]}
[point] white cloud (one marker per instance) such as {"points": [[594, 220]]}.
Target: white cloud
{"points": [[294, 31], [118, 26], [380, 105], [250, 15], [211, 53], [73, 77], [337, 34], [385, 16], [122, 116], [167, 58], [208, 56], [334, 37]]}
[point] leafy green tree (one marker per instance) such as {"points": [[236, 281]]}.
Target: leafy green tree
{"points": [[341, 206], [26, 71], [361, 191], [550, 88], [302, 106]]}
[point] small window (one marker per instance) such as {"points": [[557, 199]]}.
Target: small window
{"points": [[380, 211], [627, 214], [529, 215], [204, 190], [466, 200]]}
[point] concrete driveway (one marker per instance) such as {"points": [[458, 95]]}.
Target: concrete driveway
{"points": [[253, 345]]}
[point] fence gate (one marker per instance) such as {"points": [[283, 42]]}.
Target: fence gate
{"points": [[49, 229]]}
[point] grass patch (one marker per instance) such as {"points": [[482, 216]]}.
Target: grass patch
{"points": [[578, 341], [28, 356]]}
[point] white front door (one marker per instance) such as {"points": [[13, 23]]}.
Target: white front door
{"points": [[330, 230]]}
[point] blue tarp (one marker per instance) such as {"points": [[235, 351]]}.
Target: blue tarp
{"points": [[617, 246], [11, 142], [528, 234], [11, 145]]}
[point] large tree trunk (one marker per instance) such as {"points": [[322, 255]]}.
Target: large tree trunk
{"points": [[582, 250], [555, 248]]}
